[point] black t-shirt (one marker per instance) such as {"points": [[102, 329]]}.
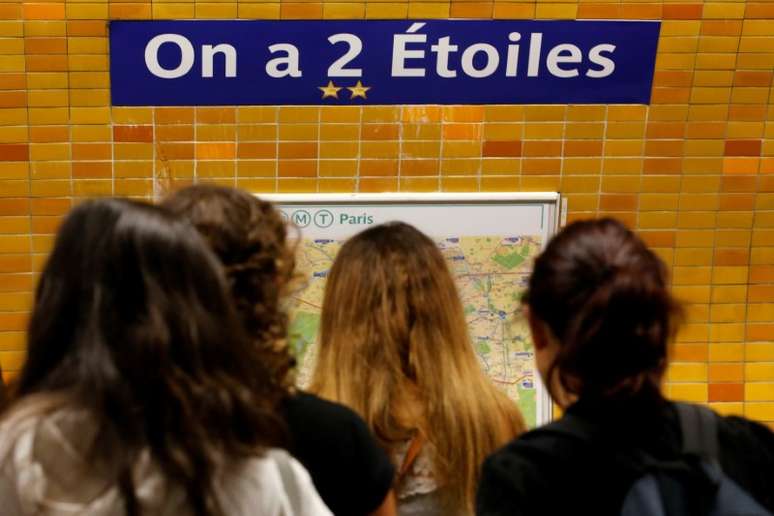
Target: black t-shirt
{"points": [[350, 471], [548, 473]]}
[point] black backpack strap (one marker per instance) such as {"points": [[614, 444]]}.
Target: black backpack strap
{"points": [[699, 426]]}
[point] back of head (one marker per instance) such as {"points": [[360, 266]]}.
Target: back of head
{"points": [[394, 346], [131, 323], [249, 237], [604, 296]]}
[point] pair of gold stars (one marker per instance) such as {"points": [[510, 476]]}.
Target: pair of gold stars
{"points": [[332, 91]]}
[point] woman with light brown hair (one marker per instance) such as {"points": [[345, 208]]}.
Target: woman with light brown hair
{"points": [[394, 346]]}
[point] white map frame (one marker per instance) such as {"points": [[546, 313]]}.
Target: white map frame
{"points": [[535, 213]]}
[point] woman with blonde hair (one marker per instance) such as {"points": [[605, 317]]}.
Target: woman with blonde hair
{"points": [[394, 346]]}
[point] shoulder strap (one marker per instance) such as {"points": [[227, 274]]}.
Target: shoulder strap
{"points": [[411, 455], [699, 427]]}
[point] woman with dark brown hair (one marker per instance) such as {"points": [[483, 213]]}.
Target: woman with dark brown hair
{"points": [[352, 474], [140, 394], [602, 317]]}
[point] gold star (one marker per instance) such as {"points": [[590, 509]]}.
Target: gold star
{"points": [[331, 90], [358, 90]]}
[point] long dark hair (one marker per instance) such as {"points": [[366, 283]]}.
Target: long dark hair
{"points": [[249, 237], [130, 320], [605, 297]]}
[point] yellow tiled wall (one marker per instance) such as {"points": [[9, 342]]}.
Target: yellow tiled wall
{"points": [[694, 171]]}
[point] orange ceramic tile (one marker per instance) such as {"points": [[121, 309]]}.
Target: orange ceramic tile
{"points": [[167, 133], [415, 114], [520, 10], [644, 11], [541, 166], [338, 150], [665, 130], [759, 332], [459, 184], [216, 133], [92, 170], [662, 166], [257, 150], [618, 202], [420, 131], [721, 27], [263, 168], [584, 131], [752, 78], [215, 115], [419, 167], [14, 152], [133, 151], [130, 11], [670, 96], [759, 10], [377, 185], [91, 151], [174, 115], [378, 131], [696, 130], [741, 165], [296, 185], [659, 238], [176, 151], [461, 131], [471, 9], [44, 11], [579, 184], [386, 11], [598, 11], [507, 184], [762, 274], [738, 184], [582, 148], [682, 11], [664, 148], [297, 150], [743, 148], [378, 167], [497, 166], [300, 11], [545, 148], [421, 149], [133, 133], [379, 149], [298, 132], [419, 184], [337, 185], [86, 28], [726, 392], [339, 132], [502, 149], [467, 114], [215, 150], [419, 9]]}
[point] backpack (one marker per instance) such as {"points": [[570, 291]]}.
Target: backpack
{"points": [[667, 489], [691, 484]]}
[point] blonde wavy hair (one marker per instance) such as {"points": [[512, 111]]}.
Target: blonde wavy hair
{"points": [[394, 347]]}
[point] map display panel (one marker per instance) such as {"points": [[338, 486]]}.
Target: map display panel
{"points": [[490, 262]]}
